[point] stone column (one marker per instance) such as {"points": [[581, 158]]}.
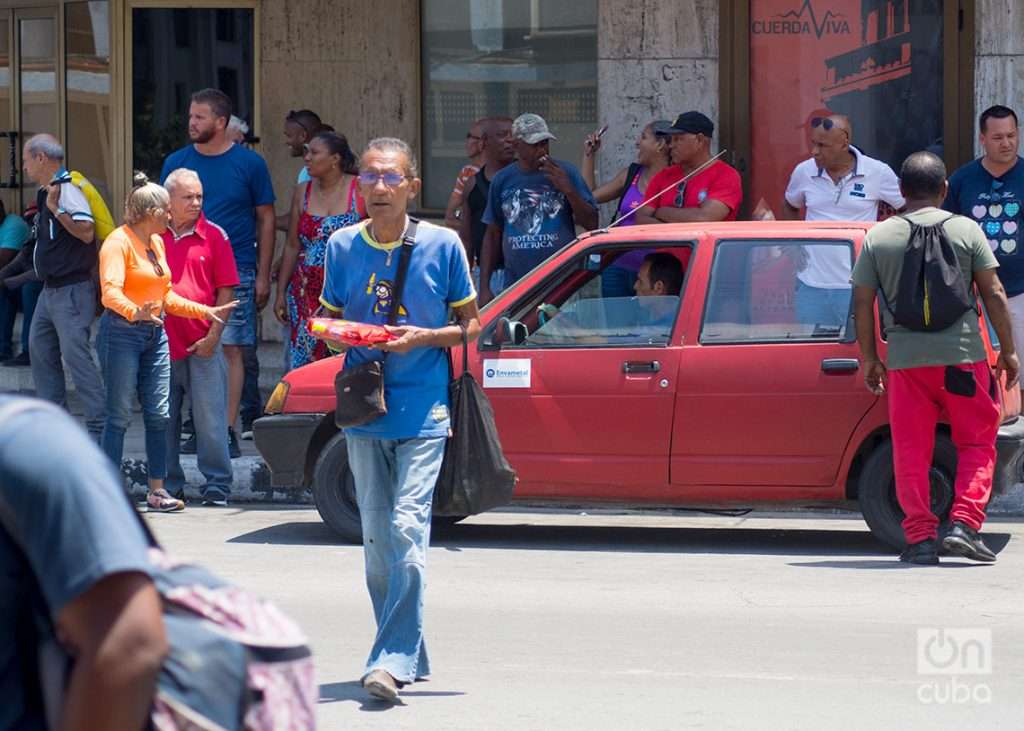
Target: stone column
{"points": [[655, 59], [999, 57]]}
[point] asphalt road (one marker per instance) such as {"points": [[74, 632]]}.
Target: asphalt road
{"points": [[547, 620]]}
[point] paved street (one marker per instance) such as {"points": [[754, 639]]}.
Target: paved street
{"points": [[542, 620]]}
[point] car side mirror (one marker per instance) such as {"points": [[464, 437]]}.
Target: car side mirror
{"points": [[511, 332]]}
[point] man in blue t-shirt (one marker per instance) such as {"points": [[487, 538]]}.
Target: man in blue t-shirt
{"points": [[396, 458], [990, 191], [238, 197], [74, 577], [533, 207]]}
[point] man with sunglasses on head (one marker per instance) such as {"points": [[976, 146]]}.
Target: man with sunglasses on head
{"points": [[475, 154], [990, 191], [713, 194], [837, 183], [533, 207]]}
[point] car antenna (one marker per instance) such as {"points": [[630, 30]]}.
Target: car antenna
{"points": [[682, 180]]}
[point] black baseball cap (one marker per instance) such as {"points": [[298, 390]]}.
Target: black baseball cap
{"points": [[692, 122]]}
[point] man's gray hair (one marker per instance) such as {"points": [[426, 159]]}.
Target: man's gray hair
{"points": [[393, 144], [45, 145], [181, 175]]}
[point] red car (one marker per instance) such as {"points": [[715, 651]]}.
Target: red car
{"points": [[718, 397]]}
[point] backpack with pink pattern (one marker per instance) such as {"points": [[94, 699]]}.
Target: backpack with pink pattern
{"points": [[235, 662]]}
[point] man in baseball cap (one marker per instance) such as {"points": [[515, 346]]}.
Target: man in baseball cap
{"points": [[713, 194], [533, 207]]}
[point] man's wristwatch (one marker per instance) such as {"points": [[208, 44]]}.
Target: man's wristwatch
{"points": [[60, 211]]}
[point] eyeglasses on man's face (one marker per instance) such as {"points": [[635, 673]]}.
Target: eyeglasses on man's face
{"points": [[391, 179]]}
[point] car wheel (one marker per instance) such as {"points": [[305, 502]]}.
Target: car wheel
{"points": [[877, 493], [334, 490]]}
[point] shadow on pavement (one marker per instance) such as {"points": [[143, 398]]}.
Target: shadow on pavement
{"points": [[306, 533], [635, 539]]}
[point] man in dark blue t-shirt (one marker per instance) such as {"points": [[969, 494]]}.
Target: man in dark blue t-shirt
{"points": [[990, 191], [533, 206], [72, 552], [238, 197]]}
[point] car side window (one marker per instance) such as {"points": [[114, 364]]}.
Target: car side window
{"points": [[779, 290], [595, 301]]}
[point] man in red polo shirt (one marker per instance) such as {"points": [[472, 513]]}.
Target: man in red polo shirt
{"points": [[714, 194], [203, 270]]}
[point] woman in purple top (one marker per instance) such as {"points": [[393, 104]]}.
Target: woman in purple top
{"points": [[629, 187]]}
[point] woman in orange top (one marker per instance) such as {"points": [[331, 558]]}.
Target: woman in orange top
{"points": [[132, 346]]}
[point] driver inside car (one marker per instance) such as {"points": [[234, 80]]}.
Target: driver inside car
{"points": [[657, 286]]}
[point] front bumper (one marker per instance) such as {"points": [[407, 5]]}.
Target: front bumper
{"points": [[1009, 455], [283, 442]]}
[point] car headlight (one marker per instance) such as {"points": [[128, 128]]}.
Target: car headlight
{"points": [[275, 404]]}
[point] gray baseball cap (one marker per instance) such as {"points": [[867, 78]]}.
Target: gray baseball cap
{"points": [[531, 129]]}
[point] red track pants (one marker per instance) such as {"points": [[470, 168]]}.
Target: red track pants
{"points": [[917, 396]]}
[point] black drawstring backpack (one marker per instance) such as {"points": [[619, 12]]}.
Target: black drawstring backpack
{"points": [[932, 292]]}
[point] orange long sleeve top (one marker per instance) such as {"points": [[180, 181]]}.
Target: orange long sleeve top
{"points": [[128, 279]]}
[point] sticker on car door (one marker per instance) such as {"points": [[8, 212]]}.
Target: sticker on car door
{"points": [[507, 373]]}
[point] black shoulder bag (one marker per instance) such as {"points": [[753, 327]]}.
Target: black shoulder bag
{"points": [[359, 391]]}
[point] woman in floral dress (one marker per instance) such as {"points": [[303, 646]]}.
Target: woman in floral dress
{"points": [[329, 201]]}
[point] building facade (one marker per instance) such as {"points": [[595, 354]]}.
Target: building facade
{"points": [[112, 77]]}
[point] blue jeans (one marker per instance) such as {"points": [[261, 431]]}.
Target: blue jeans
{"points": [[819, 306], [394, 481], [206, 382], [240, 328], [60, 330], [134, 358]]}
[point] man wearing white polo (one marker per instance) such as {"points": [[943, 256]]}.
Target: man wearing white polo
{"points": [[838, 183]]}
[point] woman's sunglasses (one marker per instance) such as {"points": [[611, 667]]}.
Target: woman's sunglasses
{"points": [[154, 261]]}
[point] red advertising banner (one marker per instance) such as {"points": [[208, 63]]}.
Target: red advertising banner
{"points": [[877, 61]]}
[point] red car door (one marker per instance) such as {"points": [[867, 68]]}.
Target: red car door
{"points": [[587, 409], [768, 395]]}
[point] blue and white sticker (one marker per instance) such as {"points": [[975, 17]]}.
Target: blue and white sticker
{"points": [[507, 373]]}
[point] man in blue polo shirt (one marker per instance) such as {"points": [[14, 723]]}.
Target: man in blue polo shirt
{"points": [[990, 191], [396, 458], [238, 197]]}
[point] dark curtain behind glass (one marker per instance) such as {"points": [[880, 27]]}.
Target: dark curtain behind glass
{"points": [[175, 53]]}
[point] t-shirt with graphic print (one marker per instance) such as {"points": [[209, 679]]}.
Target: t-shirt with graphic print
{"points": [[995, 205], [535, 216], [359, 279]]}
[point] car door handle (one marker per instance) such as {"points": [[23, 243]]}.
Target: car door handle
{"points": [[840, 365], [641, 366]]}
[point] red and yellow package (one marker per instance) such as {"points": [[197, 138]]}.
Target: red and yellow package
{"points": [[348, 332]]}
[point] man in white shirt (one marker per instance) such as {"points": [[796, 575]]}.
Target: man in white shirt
{"points": [[837, 183]]}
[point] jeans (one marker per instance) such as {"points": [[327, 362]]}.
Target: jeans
{"points": [[917, 396], [60, 329], [819, 306], [135, 357], [206, 382], [240, 328], [394, 481]]}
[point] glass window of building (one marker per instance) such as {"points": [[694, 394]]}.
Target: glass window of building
{"points": [[167, 69], [484, 58], [87, 76]]}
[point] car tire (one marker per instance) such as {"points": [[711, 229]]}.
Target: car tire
{"points": [[334, 490], [877, 493]]}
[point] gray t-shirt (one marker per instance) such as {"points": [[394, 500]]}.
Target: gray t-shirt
{"points": [[879, 265], [64, 528]]}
